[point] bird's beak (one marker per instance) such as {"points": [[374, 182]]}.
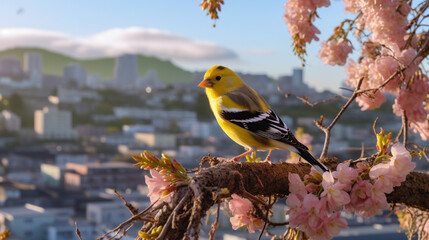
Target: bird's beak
{"points": [[206, 83]]}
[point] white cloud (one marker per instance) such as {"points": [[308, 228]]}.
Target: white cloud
{"points": [[117, 41]]}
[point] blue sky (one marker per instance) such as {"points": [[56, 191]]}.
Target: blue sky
{"points": [[250, 36]]}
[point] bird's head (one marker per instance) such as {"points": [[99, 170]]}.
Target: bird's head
{"points": [[220, 80]]}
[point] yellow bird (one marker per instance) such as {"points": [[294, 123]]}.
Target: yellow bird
{"points": [[247, 119]]}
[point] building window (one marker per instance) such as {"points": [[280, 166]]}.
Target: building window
{"points": [[28, 220]]}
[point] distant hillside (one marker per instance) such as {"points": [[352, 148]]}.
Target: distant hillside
{"points": [[53, 63]]}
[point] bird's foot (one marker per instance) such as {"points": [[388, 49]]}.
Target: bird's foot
{"points": [[235, 159], [267, 159]]}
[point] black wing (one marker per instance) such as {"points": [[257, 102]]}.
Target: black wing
{"points": [[267, 125]]}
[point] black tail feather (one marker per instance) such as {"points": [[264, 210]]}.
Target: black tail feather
{"points": [[314, 162]]}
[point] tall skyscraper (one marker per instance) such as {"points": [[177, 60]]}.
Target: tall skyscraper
{"points": [[74, 72], [126, 71], [33, 67], [33, 63], [297, 76]]}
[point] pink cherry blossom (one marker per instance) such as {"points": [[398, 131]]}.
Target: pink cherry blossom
{"points": [[351, 6], [156, 185], [296, 185], [386, 24], [345, 175], [366, 200], [408, 58], [401, 161], [356, 72], [336, 197], [298, 18], [371, 100], [407, 101], [421, 128], [312, 187], [335, 52], [382, 69], [335, 224], [384, 177], [315, 210], [391, 174], [239, 205], [298, 21], [251, 223], [376, 203], [420, 87], [240, 208], [296, 214]]}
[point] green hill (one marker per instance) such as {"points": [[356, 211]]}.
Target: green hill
{"points": [[53, 63]]}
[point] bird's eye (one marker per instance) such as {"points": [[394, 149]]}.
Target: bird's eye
{"points": [[218, 78]]}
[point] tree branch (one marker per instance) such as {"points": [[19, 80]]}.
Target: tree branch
{"points": [[259, 179], [327, 130]]}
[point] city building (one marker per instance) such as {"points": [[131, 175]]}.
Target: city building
{"points": [[67, 230], [115, 139], [262, 83], [126, 71], [131, 129], [74, 75], [51, 123], [297, 76], [10, 67], [9, 121], [33, 63], [33, 67], [88, 131], [109, 214], [156, 114], [52, 175], [99, 176], [157, 140], [295, 83], [66, 95], [151, 81], [31, 221]]}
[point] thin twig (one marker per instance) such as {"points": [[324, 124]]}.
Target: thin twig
{"points": [[305, 99], [215, 225], [327, 130], [383, 84], [134, 218], [399, 133], [266, 217], [166, 226], [130, 207], [77, 231], [405, 126], [362, 153]]}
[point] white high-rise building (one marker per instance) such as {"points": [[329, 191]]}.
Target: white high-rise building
{"points": [[33, 63], [10, 121], [33, 66], [126, 71], [74, 72], [51, 123]]}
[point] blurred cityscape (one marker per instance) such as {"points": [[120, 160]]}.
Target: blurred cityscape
{"points": [[69, 128]]}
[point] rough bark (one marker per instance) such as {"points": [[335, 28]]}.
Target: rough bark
{"points": [[251, 180]]}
